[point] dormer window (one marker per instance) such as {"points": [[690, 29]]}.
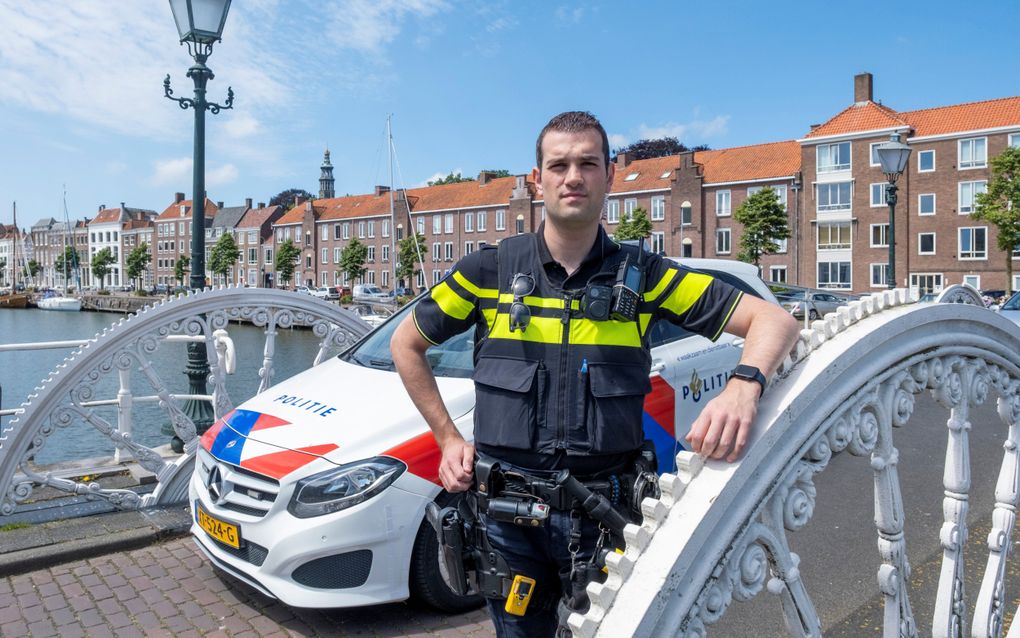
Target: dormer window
{"points": [[631, 177], [665, 175], [183, 210]]}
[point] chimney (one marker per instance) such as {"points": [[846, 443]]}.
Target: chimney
{"points": [[219, 204], [123, 207], [381, 190], [102, 207], [178, 198], [814, 126], [485, 177], [622, 160], [862, 88], [262, 204], [298, 200], [247, 202]]}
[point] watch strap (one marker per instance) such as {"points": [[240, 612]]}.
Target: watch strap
{"points": [[750, 373]]}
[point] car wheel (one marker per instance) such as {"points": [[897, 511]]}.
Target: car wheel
{"points": [[426, 583], [813, 314]]}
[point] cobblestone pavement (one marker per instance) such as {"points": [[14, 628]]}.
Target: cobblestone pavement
{"points": [[169, 589]]}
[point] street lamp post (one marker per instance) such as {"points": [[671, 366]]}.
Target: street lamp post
{"points": [[199, 24], [893, 156]]}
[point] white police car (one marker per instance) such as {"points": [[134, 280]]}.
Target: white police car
{"points": [[314, 491]]}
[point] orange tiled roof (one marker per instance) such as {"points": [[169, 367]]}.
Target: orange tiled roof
{"points": [[865, 116], [462, 195], [965, 117], [255, 217], [106, 216], [173, 210], [744, 163], [649, 174], [135, 224]]}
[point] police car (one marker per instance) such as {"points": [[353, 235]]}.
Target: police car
{"points": [[314, 491]]}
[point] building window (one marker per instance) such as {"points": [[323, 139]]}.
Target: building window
{"points": [[180, 229], [385, 278], [421, 279], [658, 243], [926, 161], [834, 196], [628, 207], [973, 242], [469, 222], [336, 255], [437, 251], [520, 224], [880, 235], [782, 246], [834, 274], [437, 276], [336, 231], [449, 250], [324, 234], [722, 241], [386, 252], [449, 223], [974, 281], [834, 236], [347, 230], [324, 278], [421, 225], [879, 275], [926, 204], [308, 261], [973, 153], [371, 229], [925, 243], [658, 208], [722, 203], [386, 228], [361, 230], [437, 224], [613, 211], [325, 256], [253, 255], [878, 195], [1014, 140], [777, 274], [481, 220], [469, 247], [268, 256], [833, 157], [874, 153], [501, 219], [370, 277], [968, 191]]}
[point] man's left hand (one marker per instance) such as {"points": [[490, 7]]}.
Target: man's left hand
{"points": [[722, 428]]}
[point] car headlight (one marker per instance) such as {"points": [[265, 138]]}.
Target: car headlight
{"points": [[343, 487]]}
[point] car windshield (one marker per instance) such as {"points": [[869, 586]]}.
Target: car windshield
{"points": [[1013, 303], [453, 358]]}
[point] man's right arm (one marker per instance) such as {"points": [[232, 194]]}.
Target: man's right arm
{"points": [[408, 348]]}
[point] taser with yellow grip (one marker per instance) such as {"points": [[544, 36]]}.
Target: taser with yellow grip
{"points": [[520, 595]]}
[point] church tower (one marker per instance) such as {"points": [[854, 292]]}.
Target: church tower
{"points": [[326, 179]]}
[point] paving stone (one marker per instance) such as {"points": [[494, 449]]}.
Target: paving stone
{"points": [[90, 618], [147, 620], [16, 628], [62, 617], [81, 603], [42, 629], [71, 631], [101, 632], [55, 602], [72, 589], [118, 619], [130, 632], [34, 613], [109, 606]]}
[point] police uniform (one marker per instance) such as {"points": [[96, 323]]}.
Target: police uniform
{"points": [[563, 391]]}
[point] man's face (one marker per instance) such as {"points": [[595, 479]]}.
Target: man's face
{"points": [[573, 179]]}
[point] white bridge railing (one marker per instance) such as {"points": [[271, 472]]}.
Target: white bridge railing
{"points": [[719, 531], [68, 396]]}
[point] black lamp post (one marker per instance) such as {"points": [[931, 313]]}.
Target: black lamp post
{"points": [[893, 156], [200, 24]]}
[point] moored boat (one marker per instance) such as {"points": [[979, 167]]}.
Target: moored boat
{"points": [[14, 300], [70, 304]]}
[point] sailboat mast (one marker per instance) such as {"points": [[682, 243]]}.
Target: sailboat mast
{"points": [[393, 218], [14, 266], [66, 223]]}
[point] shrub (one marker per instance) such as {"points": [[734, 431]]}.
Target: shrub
{"points": [[346, 299]]}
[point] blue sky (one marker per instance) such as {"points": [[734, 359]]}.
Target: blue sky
{"points": [[469, 85]]}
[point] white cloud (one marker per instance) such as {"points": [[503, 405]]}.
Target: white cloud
{"points": [[369, 25], [439, 175], [223, 175], [687, 132], [173, 171], [240, 125], [616, 140]]}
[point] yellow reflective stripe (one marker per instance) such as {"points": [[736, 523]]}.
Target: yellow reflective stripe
{"points": [[538, 302], [540, 330], [490, 316], [729, 314], [644, 318], [654, 293], [687, 292], [420, 331], [604, 333], [450, 302], [484, 293]]}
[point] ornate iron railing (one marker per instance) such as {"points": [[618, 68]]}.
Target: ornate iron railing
{"points": [[69, 394]]}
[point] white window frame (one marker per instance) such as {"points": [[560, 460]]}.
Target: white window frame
{"points": [[437, 276], [448, 224], [501, 219], [971, 160], [840, 205], [658, 204], [325, 255], [974, 191], [1013, 140], [324, 234], [324, 276], [933, 160], [871, 154], [975, 256], [437, 251], [977, 281], [828, 228], [437, 224], [336, 254], [783, 246], [253, 255], [347, 230], [421, 227], [934, 243], [658, 242], [613, 211], [920, 205], [832, 168], [481, 221], [448, 251], [371, 229], [469, 222], [361, 230], [385, 278], [720, 234], [370, 255], [385, 252], [469, 247], [882, 271], [774, 272], [629, 205], [882, 234], [723, 208], [881, 194], [840, 285], [370, 277], [385, 228]]}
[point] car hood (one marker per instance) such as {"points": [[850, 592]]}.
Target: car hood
{"points": [[336, 411]]}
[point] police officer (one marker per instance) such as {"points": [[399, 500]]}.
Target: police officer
{"points": [[559, 384]]}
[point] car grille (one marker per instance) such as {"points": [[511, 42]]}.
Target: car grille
{"points": [[250, 552], [240, 490], [339, 571]]}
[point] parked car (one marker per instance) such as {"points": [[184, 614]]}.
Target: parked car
{"points": [[816, 304], [401, 291], [303, 289], [325, 292], [1011, 308], [314, 491], [371, 292]]}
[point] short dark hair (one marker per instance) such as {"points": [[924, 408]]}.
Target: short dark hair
{"points": [[573, 122]]}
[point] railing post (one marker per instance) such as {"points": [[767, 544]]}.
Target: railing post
{"points": [[125, 403]]}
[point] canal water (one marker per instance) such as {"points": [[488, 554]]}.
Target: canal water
{"points": [[21, 372]]}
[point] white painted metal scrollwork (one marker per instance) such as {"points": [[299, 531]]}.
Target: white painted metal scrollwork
{"points": [[69, 393], [719, 530]]}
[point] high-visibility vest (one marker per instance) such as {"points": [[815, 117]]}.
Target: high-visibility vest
{"points": [[565, 382]]}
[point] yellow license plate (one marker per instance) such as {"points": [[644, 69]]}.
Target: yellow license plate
{"points": [[222, 531]]}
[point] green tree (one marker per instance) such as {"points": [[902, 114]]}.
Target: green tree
{"points": [[1000, 205], [452, 178], [286, 198], [101, 263], [67, 258], [286, 256], [763, 217], [33, 268], [352, 259], [634, 226], [137, 261], [497, 172], [224, 255], [181, 266], [407, 268], [3, 269], [660, 147]]}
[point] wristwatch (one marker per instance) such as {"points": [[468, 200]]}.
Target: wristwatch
{"points": [[750, 373]]}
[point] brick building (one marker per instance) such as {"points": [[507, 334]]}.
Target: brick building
{"points": [[173, 237], [254, 235]]}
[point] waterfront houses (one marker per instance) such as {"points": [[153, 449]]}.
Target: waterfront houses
{"points": [[173, 237], [254, 235], [106, 232]]}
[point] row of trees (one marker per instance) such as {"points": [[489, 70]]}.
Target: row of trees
{"points": [[353, 257]]}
